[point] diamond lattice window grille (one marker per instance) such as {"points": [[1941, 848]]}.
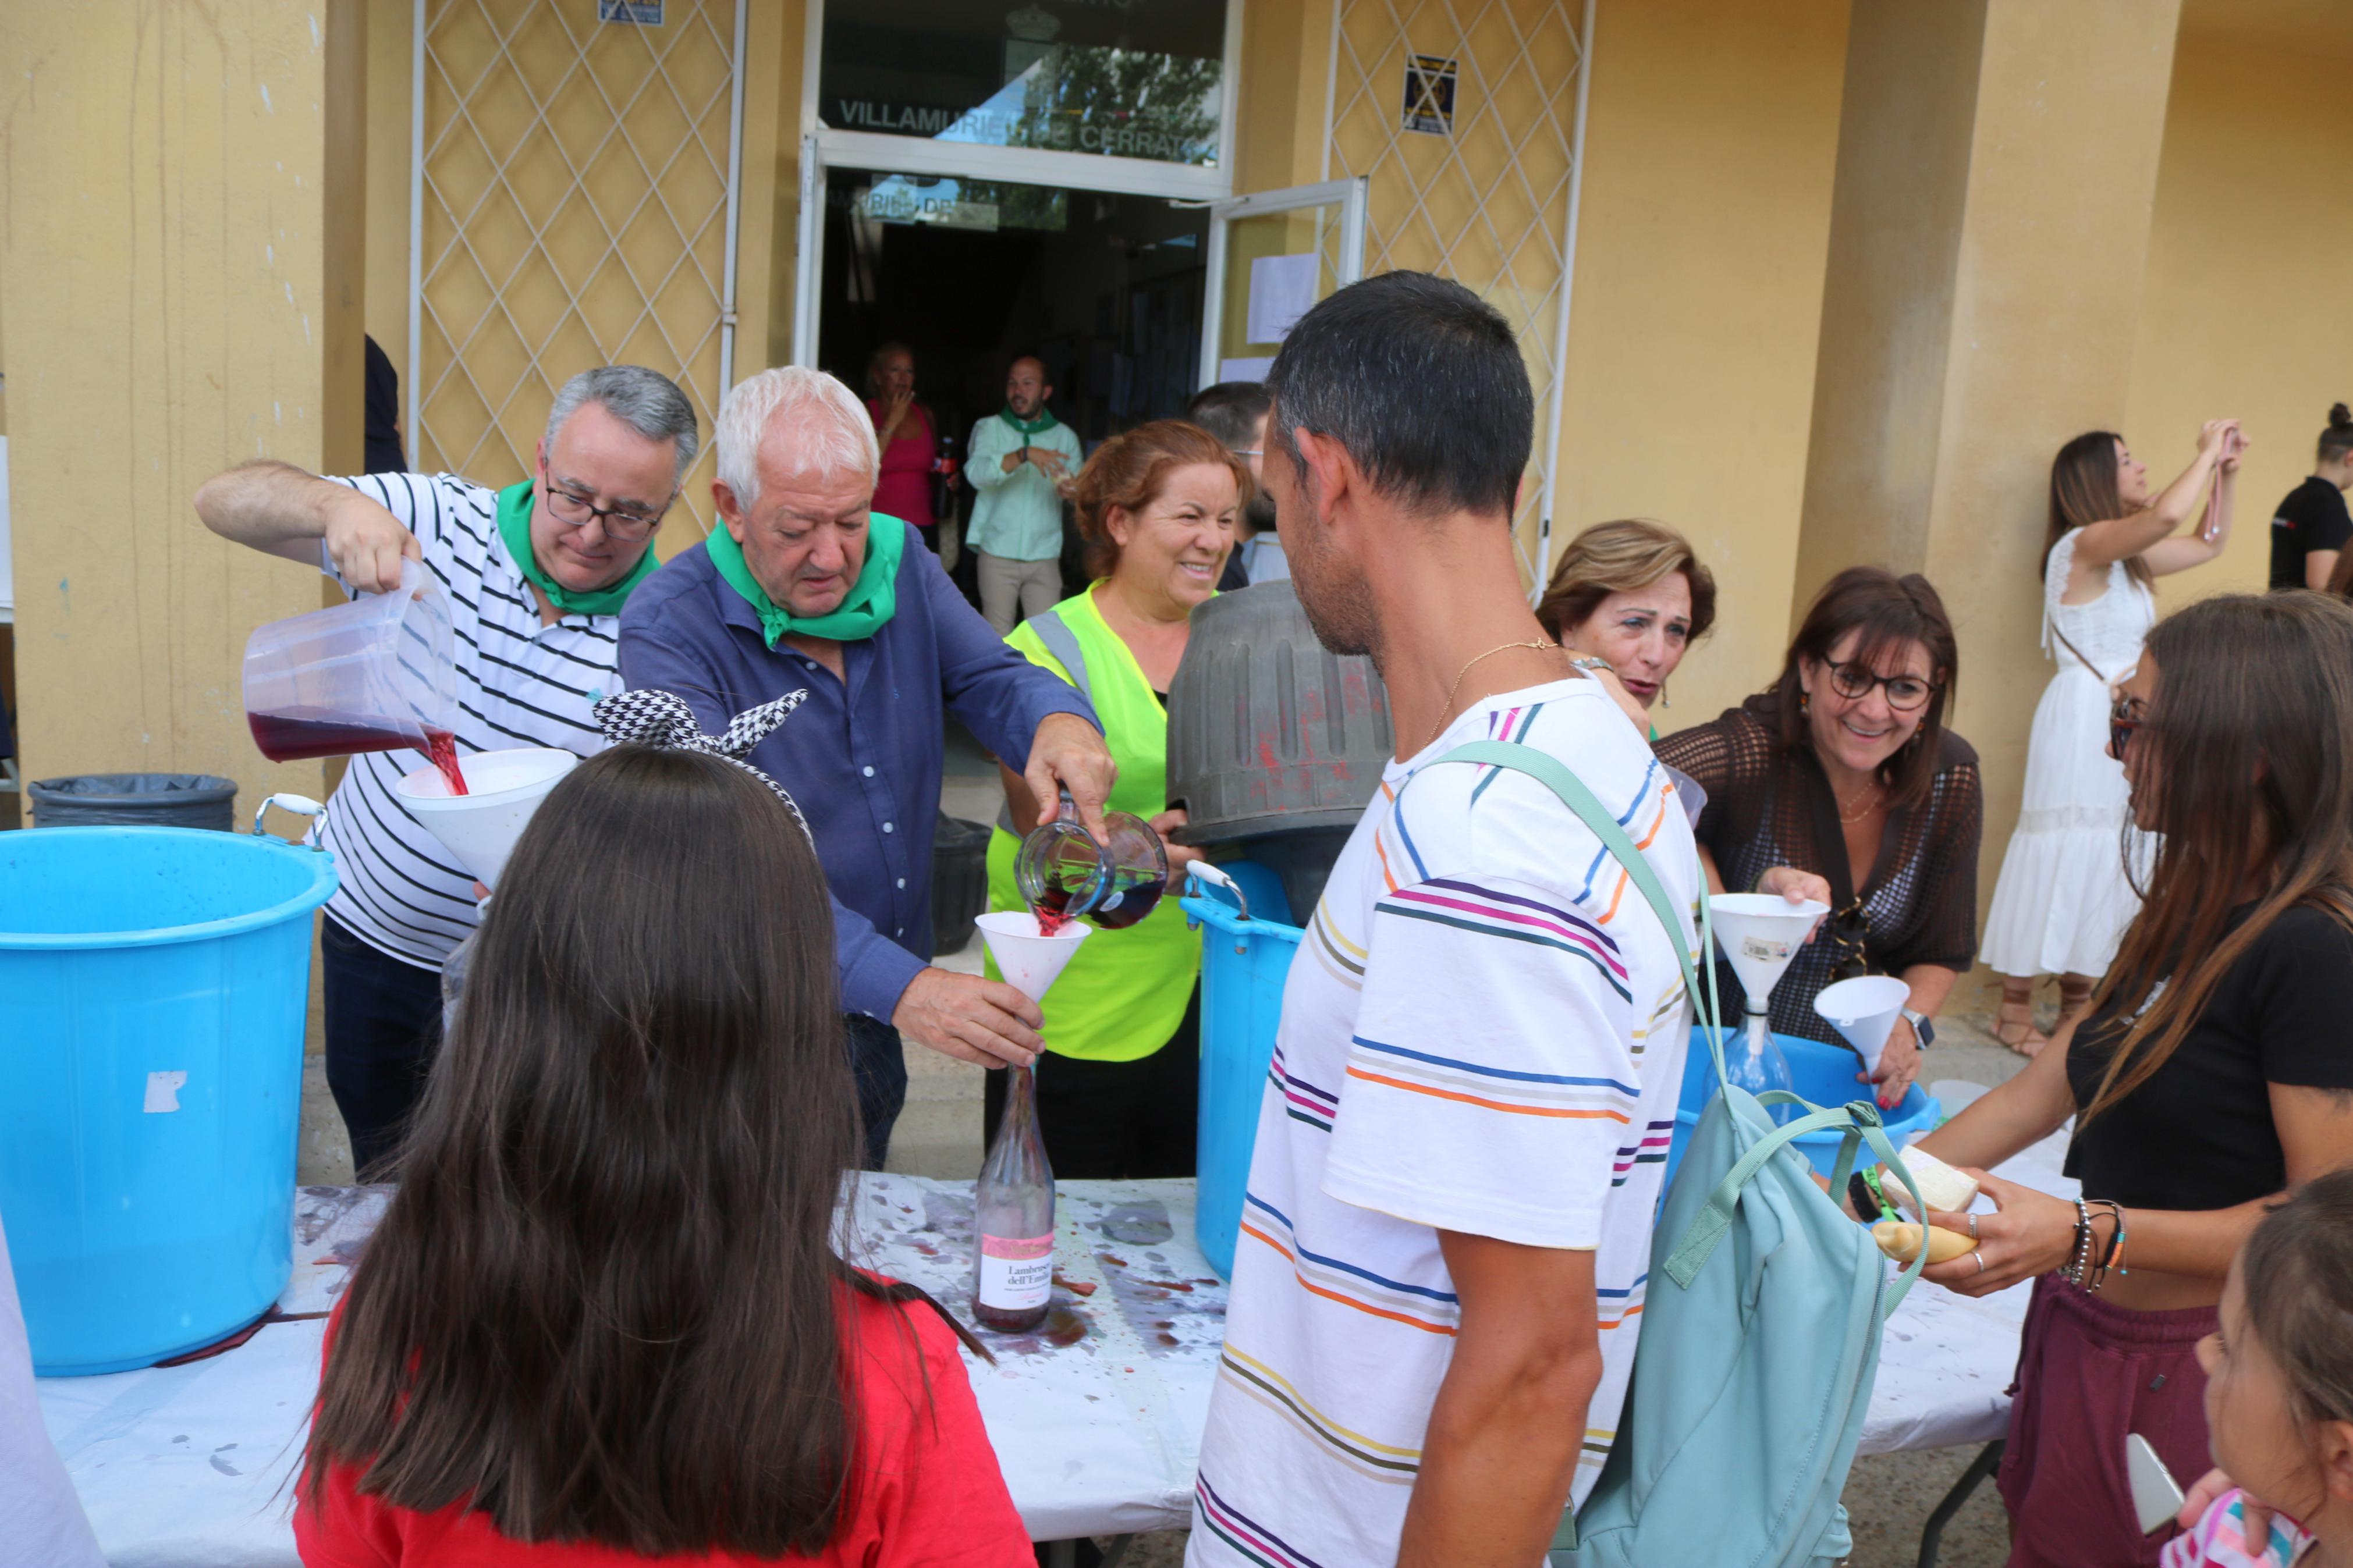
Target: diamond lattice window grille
{"points": [[575, 202], [1487, 205]]}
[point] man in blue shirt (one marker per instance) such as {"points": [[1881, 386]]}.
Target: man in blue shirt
{"points": [[806, 587]]}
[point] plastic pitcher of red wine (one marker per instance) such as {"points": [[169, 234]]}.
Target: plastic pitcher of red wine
{"points": [[375, 675], [1065, 874]]}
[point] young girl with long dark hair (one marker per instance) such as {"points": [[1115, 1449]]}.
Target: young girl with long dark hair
{"points": [[2210, 1077], [604, 1320]]}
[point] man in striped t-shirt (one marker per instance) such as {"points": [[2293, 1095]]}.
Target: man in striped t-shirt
{"points": [[1441, 1274], [536, 574]]}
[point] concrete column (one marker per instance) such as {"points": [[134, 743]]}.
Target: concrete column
{"points": [[180, 277], [1997, 172]]}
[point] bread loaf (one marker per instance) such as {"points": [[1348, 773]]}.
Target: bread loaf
{"points": [[1900, 1240]]}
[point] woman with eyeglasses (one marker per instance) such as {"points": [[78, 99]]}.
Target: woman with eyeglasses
{"points": [[2064, 897], [1843, 784], [2208, 1080]]}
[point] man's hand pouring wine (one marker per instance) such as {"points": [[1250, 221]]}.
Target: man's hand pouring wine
{"points": [[971, 1018]]}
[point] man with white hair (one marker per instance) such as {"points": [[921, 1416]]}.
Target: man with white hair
{"points": [[535, 575], [807, 587]]}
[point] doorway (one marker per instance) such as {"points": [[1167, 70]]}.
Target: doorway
{"points": [[1104, 288]]}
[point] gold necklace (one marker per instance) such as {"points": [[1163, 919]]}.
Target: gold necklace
{"points": [[1447, 711], [1870, 788]]}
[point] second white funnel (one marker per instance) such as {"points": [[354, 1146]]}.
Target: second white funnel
{"points": [[481, 827], [1760, 933], [1031, 961], [1863, 1010]]}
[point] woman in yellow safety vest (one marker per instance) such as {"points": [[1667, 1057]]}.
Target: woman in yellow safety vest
{"points": [[1118, 1085]]}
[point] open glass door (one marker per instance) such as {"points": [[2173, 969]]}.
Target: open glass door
{"points": [[1271, 255], [808, 263]]}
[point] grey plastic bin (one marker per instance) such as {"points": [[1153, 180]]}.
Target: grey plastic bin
{"points": [[1267, 731], [134, 800]]}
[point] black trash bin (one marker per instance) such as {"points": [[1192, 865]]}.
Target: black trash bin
{"points": [[959, 881], [134, 800]]}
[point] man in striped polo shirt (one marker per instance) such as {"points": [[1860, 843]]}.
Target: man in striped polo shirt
{"points": [[1447, 1225], [536, 575]]}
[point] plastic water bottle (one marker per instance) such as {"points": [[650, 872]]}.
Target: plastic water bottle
{"points": [[1013, 1216], [1756, 1064]]}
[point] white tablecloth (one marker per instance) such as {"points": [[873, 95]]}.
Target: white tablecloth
{"points": [[1096, 1418]]}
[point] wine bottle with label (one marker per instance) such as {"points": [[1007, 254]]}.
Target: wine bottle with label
{"points": [[1013, 1217]]}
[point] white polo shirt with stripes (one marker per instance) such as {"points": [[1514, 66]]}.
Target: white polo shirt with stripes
{"points": [[519, 684]]}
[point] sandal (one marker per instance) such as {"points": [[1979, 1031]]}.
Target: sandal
{"points": [[2013, 1025]]}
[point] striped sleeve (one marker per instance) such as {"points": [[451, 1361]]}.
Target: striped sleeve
{"points": [[1492, 1084]]}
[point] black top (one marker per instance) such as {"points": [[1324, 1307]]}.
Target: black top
{"points": [[2198, 1134], [1769, 805], [2313, 517]]}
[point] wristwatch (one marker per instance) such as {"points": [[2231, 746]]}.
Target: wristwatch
{"points": [[1924, 1027]]}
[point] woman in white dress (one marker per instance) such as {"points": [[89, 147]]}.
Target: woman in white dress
{"points": [[2065, 896]]}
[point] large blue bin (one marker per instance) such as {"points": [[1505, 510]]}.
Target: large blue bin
{"points": [[153, 988], [1243, 965], [1823, 1074]]}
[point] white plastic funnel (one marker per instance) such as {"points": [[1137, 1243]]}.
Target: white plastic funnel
{"points": [[1760, 933], [504, 788], [1863, 1010], [1031, 961]]}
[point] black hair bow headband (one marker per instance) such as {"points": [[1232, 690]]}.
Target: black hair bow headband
{"points": [[663, 719]]}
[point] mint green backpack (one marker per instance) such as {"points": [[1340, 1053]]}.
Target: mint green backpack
{"points": [[1760, 1332]]}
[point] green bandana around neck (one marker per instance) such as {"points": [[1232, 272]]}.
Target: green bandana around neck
{"points": [[872, 600], [1045, 420], [515, 531]]}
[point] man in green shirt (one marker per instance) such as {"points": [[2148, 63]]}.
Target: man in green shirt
{"points": [[1019, 462]]}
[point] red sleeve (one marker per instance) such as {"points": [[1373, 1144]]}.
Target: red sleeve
{"points": [[934, 1494]]}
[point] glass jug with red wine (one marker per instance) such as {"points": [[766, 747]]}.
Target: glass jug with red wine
{"points": [[1065, 874], [375, 675]]}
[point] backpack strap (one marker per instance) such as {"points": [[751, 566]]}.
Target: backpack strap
{"points": [[1063, 643], [1555, 775]]}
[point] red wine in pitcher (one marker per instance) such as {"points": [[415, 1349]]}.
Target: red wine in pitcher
{"points": [[1013, 1217], [298, 734]]}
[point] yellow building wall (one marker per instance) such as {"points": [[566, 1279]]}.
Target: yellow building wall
{"points": [[1711, 151], [178, 277], [390, 51], [2243, 313]]}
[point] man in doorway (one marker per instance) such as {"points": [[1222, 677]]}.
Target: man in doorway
{"points": [[806, 587], [535, 575], [1447, 1221], [1021, 461], [1235, 413]]}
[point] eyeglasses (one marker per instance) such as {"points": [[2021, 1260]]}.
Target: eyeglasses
{"points": [[2125, 717], [1853, 681], [624, 524]]}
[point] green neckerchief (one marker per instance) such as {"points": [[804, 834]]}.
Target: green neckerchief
{"points": [[514, 531], [1045, 420], [873, 599]]}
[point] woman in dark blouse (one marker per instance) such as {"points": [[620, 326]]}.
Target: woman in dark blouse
{"points": [[2213, 1072], [1846, 763]]}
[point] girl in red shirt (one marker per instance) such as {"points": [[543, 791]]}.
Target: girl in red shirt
{"points": [[602, 1320]]}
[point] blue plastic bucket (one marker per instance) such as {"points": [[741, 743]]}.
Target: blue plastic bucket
{"points": [[1823, 1074], [153, 988], [1243, 965]]}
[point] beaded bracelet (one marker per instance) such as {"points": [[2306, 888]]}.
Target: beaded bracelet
{"points": [[2079, 1263], [2112, 1255]]}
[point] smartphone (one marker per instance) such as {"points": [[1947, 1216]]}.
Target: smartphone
{"points": [[2157, 1496]]}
